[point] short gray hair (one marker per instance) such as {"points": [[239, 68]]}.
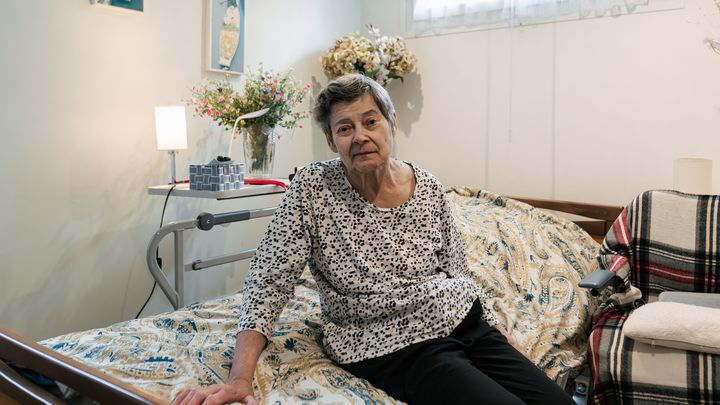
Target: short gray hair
{"points": [[349, 88]]}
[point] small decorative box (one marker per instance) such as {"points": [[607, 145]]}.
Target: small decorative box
{"points": [[217, 176]]}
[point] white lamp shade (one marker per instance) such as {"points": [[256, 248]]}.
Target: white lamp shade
{"points": [[170, 128], [693, 175]]}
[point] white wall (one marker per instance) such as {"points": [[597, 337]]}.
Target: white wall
{"points": [[592, 110], [77, 149]]}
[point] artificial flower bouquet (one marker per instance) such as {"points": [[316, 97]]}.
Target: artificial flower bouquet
{"points": [[379, 57], [277, 92]]}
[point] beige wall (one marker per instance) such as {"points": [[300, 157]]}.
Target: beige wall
{"points": [[593, 110], [77, 149], [600, 108]]}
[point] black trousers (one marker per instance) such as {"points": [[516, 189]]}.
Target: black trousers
{"points": [[474, 365]]}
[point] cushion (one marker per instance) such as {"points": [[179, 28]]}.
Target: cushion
{"points": [[676, 325]]}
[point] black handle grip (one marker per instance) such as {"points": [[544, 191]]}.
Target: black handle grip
{"points": [[206, 221], [234, 216]]}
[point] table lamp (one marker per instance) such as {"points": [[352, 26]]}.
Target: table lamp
{"points": [[692, 175], [171, 132]]}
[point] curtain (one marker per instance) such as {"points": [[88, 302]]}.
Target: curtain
{"points": [[432, 16]]}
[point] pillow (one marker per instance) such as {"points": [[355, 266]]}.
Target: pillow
{"points": [[711, 300], [676, 325]]}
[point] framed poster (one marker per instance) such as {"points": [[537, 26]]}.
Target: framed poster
{"points": [[225, 36], [132, 5]]}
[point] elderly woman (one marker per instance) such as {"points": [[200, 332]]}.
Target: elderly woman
{"points": [[401, 308]]}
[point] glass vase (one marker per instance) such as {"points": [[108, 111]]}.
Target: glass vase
{"points": [[259, 151]]}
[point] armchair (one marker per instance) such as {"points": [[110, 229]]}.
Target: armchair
{"points": [[662, 241]]}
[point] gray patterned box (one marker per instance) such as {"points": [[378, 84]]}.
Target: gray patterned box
{"points": [[217, 176]]}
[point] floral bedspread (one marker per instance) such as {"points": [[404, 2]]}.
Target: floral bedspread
{"points": [[193, 346], [528, 261]]}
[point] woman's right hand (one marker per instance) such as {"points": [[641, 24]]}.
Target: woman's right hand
{"points": [[239, 390]]}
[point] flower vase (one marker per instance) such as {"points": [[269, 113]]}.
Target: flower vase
{"points": [[259, 151]]}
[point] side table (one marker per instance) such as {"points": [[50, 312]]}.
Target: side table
{"points": [[204, 221]]}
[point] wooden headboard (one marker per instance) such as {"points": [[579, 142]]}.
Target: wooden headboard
{"points": [[595, 219]]}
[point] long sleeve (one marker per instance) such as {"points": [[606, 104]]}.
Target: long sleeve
{"points": [[278, 262]]}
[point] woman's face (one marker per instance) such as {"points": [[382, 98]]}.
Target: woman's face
{"points": [[361, 135]]}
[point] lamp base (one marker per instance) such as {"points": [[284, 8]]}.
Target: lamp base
{"points": [[173, 179]]}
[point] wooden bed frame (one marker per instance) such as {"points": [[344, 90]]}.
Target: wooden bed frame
{"points": [[595, 219], [95, 384], [14, 388]]}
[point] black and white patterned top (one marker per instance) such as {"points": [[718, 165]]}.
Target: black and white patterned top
{"points": [[388, 277]]}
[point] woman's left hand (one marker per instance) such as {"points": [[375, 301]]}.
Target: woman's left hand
{"points": [[218, 394]]}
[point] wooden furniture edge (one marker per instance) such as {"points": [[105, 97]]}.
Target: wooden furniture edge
{"points": [[596, 211], [6, 400], [15, 389], [600, 217], [80, 377]]}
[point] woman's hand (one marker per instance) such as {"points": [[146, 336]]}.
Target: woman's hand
{"points": [[248, 346], [239, 390]]}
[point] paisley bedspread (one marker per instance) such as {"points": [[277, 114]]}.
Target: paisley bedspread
{"points": [[529, 262]]}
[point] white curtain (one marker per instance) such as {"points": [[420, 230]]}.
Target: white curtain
{"points": [[439, 15]]}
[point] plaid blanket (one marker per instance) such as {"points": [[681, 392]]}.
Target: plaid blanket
{"points": [[662, 241]]}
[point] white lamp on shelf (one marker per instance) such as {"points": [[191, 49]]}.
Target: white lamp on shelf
{"points": [[693, 175], [171, 132]]}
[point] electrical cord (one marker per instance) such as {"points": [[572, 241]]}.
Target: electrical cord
{"points": [[157, 252]]}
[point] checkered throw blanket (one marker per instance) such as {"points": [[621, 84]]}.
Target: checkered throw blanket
{"points": [[662, 241]]}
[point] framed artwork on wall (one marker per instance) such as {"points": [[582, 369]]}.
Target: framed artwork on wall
{"points": [[130, 5], [224, 31]]}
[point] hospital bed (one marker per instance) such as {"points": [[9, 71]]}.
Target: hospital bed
{"points": [[528, 258]]}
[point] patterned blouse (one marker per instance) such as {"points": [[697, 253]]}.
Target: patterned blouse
{"points": [[388, 277]]}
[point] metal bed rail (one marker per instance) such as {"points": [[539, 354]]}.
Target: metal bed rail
{"points": [[205, 221]]}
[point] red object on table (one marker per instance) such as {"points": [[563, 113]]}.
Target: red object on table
{"points": [[267, 181]]}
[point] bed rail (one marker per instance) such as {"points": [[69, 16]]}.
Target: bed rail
{"points": [[205, 221], [83, 379]]}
